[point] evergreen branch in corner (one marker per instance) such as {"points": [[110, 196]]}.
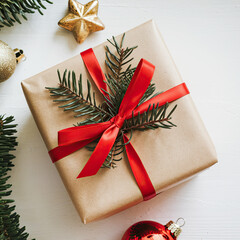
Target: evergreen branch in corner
{"points": [[10, 10], [9, 220]]}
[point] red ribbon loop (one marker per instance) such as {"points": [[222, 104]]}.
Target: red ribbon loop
{"points": [[137, 87], [74, 138], [94, 69]]}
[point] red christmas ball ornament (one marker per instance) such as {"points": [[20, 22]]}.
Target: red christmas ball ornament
{"points": [[150, 230]]}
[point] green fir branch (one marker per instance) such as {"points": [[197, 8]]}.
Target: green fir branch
{"points": [[69, 95], [9, 220], [121, 72], [10, 10], [151, 119]]}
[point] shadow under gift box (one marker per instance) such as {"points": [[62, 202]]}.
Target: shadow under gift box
{"points": [[169, 156]]}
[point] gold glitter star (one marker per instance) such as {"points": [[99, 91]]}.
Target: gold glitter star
{"points": [[82, 19]]}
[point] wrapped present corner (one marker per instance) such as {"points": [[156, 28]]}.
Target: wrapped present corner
{"points": [[168, 156]]}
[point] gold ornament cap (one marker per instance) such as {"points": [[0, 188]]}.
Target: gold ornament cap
{"points": [[175, 228], [19, 55]]}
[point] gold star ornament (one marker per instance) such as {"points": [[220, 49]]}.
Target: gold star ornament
{"points": [[82, 19]]}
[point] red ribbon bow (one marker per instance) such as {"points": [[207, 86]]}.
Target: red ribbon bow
{"points": [[74, 138]]}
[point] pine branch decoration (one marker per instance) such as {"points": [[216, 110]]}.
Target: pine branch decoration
{"points": [[71, 98], [10, 10], [9, 220], [150, 119], [69, 95]]}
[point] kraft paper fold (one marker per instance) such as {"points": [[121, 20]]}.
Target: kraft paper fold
{"points": [[169, 156]]}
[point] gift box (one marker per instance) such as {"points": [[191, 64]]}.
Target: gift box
{"points": [[169, 156]]}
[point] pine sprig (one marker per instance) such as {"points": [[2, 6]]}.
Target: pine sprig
{"points": [[10, 10], [69, 95], [119, 75], [9, 220], [151, 119], [116, 62]]}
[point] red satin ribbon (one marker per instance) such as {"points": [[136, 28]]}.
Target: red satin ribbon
{"points": [[74, 138], [94, 69]]}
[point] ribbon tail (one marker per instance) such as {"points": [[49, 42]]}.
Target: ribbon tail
{"points": [[139, 171], [100, 153]]}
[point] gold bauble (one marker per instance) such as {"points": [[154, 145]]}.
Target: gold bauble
{"points": [[82, 19], [7, 61]]}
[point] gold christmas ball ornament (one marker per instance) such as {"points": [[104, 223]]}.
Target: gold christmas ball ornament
{"points": [[82, 19], [8, 60]]}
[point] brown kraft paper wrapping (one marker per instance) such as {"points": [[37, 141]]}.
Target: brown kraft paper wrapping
{"points": [[169, 156]]}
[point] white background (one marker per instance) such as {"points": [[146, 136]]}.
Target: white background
{"points": [[204, 40]]}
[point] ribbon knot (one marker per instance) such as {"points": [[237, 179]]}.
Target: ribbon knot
{"points": [[118, 121]]}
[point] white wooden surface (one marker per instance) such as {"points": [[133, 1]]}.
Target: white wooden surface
{"points": [[204, 40]]}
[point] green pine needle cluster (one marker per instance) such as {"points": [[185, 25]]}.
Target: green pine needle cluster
{"points": [[69, 95], [9, 220], [10, 10]]}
